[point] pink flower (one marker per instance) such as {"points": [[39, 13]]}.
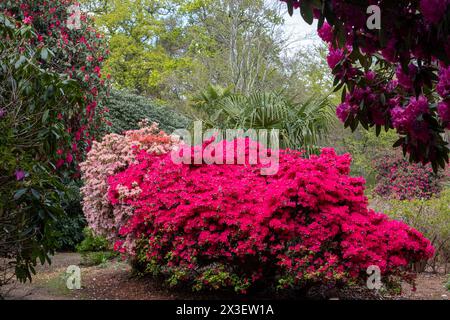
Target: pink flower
{"points": [[443, 86], [326, 33], [20, 174], [28, 20], [433, 10], [334, 57], [370, 76], [59, 163], [344, 110], [444, 112], [407, 120], [406, 80]]}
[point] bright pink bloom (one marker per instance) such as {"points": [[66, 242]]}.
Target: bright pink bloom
{"points": [[309, 221], [28, 20], [433, 10]]}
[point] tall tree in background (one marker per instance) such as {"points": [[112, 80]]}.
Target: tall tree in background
{"points": [[244, 40], [173, 49], [147, 42], [306, 73]]}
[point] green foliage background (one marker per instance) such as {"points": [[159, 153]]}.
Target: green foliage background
{"points": [[127, 109], [431, 217]]}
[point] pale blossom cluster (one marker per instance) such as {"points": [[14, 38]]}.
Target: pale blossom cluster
{"points": [[113, 154]]}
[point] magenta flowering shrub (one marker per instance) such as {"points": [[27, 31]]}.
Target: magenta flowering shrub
{"points": [[107, 157], [396, 77], [401, 180], [229, 226]]}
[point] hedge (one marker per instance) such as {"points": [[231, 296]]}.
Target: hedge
{"points": [[126, 110]]}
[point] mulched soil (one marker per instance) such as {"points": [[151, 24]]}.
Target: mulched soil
{"points": [[114, 280]]}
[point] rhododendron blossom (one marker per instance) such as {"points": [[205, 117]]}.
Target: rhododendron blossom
{"points": [[433, 10], [407, 60], [409, 120], [308, 223], [444, 112]]}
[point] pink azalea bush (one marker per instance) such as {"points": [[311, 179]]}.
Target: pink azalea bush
{"points": [[107, 157], [225, 226], [399, 179]]}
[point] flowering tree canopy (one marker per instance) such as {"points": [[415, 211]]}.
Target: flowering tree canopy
{"points": [[396, 76], [70, 46], [50, 87]]}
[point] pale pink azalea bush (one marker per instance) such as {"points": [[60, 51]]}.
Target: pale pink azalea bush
{"points": [[221, 226], [111, 155]]}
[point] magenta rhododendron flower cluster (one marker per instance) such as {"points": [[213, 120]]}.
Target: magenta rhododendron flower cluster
{"points": [[396, 76], [433, 10], [230, 226], [399, 179], [113, 154]]}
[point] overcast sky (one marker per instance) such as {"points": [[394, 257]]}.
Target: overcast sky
{"points": [[301, 33]]}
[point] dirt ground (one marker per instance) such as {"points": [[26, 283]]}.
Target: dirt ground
{"points": [[114, 280]]}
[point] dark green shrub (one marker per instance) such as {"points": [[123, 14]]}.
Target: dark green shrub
{"points": [[126, 110], [69, 227]]}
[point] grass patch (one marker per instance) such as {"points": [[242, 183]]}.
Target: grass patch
{"points": [[56, 283], [99, 258]]}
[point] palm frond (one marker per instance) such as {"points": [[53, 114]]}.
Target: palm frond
{"points": [[301, 125]]}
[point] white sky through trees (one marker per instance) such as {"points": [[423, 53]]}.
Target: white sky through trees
{"points": [[301, 33]]}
